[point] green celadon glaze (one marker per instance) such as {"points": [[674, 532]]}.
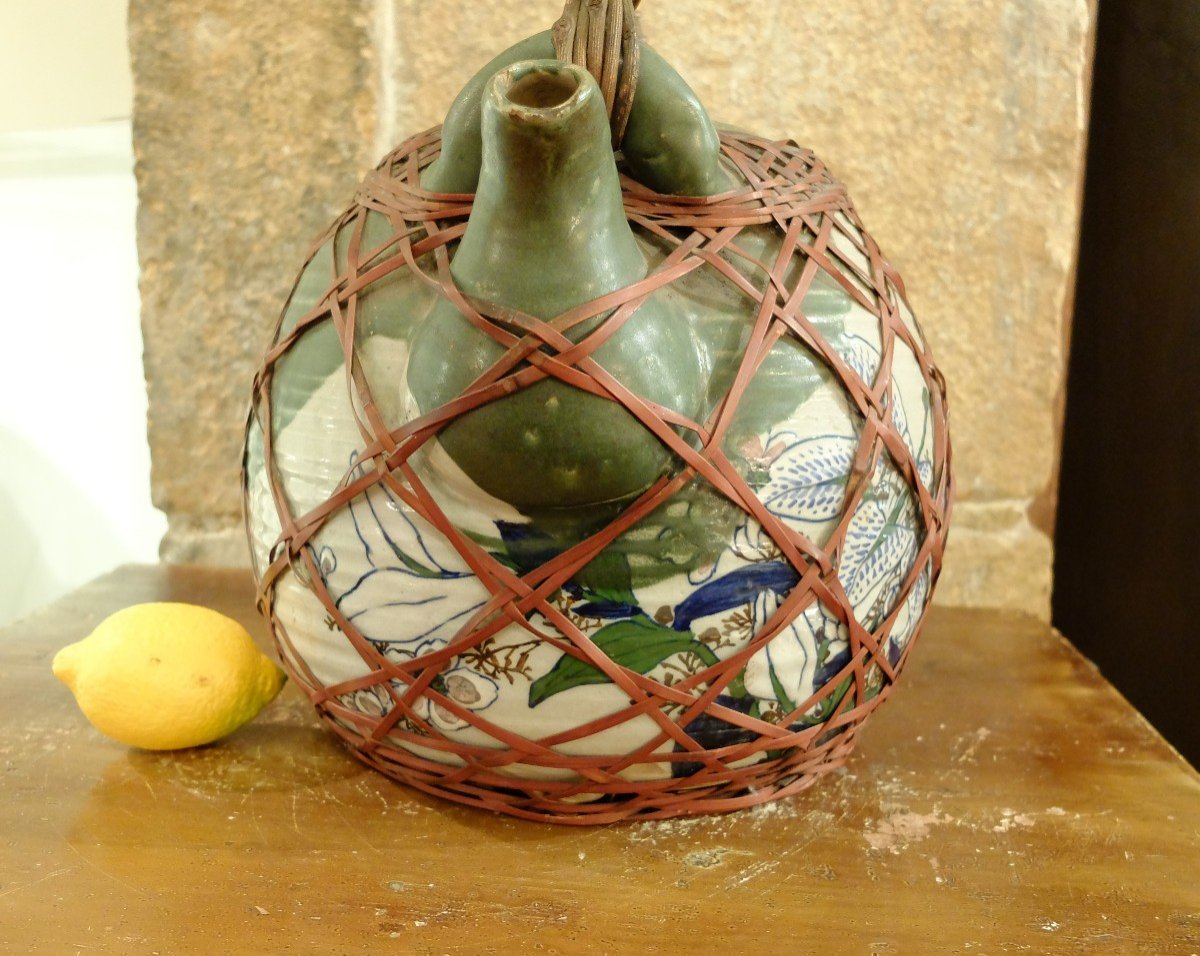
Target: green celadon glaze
{"points": [[670, 144], [547, 233]]}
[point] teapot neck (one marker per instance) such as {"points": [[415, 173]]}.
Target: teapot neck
{"points": [[548, 229]]}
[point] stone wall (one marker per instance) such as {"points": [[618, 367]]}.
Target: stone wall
{"points": [[958, 126]]}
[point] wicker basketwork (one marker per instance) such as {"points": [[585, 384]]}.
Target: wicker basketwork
{"points": [[775, 754]]}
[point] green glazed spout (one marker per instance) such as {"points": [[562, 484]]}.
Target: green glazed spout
{"points": [[670, 143], [547, 233]]}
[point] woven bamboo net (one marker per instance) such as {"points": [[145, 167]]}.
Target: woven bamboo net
{"points": [[787, 187]]}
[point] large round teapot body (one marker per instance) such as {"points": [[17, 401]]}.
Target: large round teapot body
{"points": [[570, 498]]}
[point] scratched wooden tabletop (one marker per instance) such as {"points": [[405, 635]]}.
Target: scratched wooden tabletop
{"points": [[1006, 799]]}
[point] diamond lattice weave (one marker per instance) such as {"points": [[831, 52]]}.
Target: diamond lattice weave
{"points": [[709, 738]]}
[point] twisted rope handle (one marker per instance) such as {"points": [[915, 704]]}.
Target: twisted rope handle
{"points": [[603, 37]]}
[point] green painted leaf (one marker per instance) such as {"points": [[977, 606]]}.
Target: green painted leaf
{"points": [[414, 565], [607, 576], [615, 595], [781, 693], [639, 643], [826, 707]]}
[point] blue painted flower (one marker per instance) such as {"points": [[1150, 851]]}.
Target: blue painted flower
{"points": [[416, 589]]}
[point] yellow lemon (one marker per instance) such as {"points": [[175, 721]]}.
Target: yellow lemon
{"points": [[164, 676]]}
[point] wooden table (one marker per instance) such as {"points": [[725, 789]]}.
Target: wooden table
{"points": [[1007, 799]]}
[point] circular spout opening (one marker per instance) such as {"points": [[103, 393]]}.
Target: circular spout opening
{"points": [[540, 91]]}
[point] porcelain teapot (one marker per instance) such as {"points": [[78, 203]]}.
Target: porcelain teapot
{"points": [[597, 467]]}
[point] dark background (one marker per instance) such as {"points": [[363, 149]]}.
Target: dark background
{"points": [[1127, 571]]}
